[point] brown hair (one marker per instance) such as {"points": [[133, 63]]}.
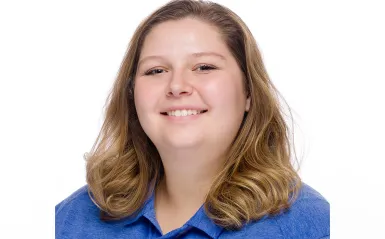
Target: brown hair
{"points": [[257, 178]]}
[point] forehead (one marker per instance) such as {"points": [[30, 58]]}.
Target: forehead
{"points": [[183, 36]]}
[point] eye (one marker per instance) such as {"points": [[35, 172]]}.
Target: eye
{"points": [[205, 68], [154, 72]]}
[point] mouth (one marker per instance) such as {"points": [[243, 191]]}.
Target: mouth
{"points": [[183, 113]]}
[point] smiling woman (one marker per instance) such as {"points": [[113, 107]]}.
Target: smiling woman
{"points": [[194, 143]]}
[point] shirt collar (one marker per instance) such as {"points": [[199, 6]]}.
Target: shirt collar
{"points": [[136, 216], [200, 220]]}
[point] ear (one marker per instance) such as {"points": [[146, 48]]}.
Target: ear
{"points": [[247, 104]]}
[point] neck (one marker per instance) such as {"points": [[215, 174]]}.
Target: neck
{"points": [[188, 177]]}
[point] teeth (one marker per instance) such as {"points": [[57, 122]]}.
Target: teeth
{"points": [[179, 113]]}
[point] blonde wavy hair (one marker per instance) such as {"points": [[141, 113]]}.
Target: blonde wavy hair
{"points": [[258, 177]]}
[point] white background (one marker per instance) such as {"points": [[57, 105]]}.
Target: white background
{"points": [[58, 62]]}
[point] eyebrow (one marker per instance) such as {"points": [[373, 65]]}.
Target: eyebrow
{"points": [[194, 55], [211, 53]]}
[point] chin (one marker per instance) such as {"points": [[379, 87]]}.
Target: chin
{"points": [[181, 142]]}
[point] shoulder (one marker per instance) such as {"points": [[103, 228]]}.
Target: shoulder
{"points": [[77, 200], [79, 195], [308, 217], [74, 212]]}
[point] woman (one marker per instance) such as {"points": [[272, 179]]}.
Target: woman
{"points": [[194, 144]]}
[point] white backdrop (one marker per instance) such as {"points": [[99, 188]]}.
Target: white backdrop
{"points": [[58, 62]]}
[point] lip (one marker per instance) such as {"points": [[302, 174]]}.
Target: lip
{"points": [[183, 107], [183, 118]]}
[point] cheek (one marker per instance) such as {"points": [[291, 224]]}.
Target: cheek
{"points": [[145, 96], [142, 102], [144, 105], [138, 98], [226, 94]]}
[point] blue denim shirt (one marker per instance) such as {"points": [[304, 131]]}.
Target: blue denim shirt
{"points": [[78, 217]]}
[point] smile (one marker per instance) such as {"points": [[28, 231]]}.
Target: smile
{"points": [[183, 113]]}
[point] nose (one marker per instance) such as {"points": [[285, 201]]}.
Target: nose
{"points": [[179, 86]]}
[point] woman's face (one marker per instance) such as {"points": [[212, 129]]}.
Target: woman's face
{"points": [[189, 90]]}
